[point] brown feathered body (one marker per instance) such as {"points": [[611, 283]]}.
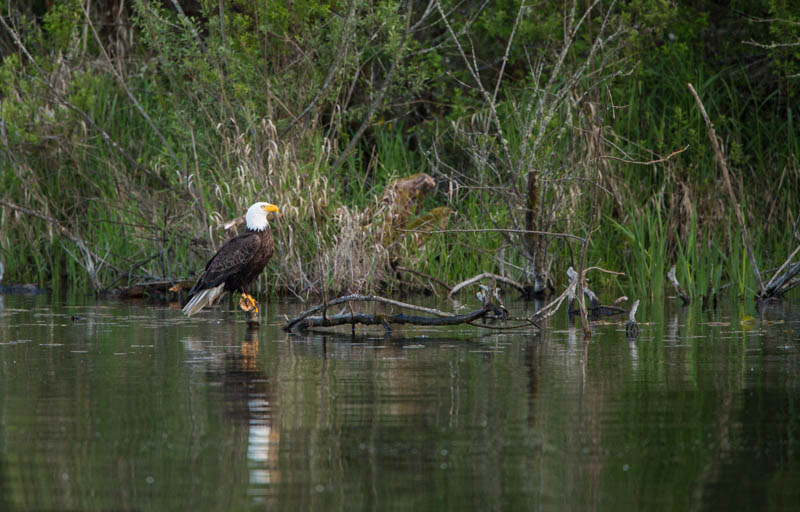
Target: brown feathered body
{"points": [[237, 264]]}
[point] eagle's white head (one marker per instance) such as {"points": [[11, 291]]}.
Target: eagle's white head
{"points": [[256, 216]]}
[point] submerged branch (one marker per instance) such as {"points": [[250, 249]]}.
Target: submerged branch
{"points": [[569, 292], [783, 283]]}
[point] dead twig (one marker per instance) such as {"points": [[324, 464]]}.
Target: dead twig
{"points": [[650, 162], [344, 43], [549, 309]]}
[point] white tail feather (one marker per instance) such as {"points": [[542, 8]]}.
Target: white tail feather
{"points": [[202, 299]]}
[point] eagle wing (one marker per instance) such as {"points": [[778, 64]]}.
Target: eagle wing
{"points": [[231, 258]]}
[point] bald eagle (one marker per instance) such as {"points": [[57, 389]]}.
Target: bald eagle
{"points": [[237, 263]]}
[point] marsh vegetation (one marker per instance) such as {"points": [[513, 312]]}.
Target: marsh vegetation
{"points": [[134, 134]]}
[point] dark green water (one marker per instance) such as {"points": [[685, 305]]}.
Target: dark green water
{"points": [[134, 407]]}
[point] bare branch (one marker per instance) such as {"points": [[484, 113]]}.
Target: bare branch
{"points": [[189, 23], [476, 76], [508, 50], [772, 20], [772, 46]]}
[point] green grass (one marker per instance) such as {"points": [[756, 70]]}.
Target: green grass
{"points": [[700, 262], [645, 261]]}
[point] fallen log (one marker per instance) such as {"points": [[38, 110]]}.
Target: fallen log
{"points": [[386, 320]]}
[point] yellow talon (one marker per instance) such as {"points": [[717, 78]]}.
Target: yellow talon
{"points": [[248, 303]]}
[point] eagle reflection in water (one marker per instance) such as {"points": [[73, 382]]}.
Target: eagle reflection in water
{"points": [[249, 399]]}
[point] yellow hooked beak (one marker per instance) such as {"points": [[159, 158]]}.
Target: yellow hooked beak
{"points": [[270, 208]]}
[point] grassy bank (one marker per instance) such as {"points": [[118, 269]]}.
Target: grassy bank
{"points": [[128, 143]]}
